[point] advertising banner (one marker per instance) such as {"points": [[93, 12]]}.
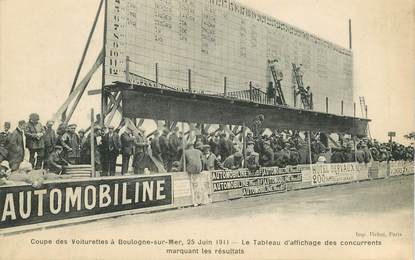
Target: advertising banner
{"points": [[262, 181], [24, 205], [325, 174], [397, 168]]}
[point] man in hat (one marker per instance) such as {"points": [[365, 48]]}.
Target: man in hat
{"points": [[35, 141], [174, 145], [360, 154], [16, 146], [294, 156], [111, 148], [4, 141], [252, 157], [71, 145], [50, 139], [141, 158], [209, 160], [155, 146], [224, 146], [56, 161], [127, 149], [234, 161], [267, 157], [164, 147]]}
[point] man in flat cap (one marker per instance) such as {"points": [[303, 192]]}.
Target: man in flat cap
{"points": [[127, 149], [16, 146], [111, 148], [4, 142], [234, 161], [35, 141], [209, 159], [71, 144], [50, 140], [56, 161]]}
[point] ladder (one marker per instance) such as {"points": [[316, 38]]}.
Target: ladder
{"points": [[300, 86], [279, 95], [363, 110]]}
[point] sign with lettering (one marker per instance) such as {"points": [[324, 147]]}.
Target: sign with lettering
{"points": [[217, 39], [324, 174], [24, 205], [262, 181], [400, 168]]}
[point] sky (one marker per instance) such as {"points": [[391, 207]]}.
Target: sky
{"points": [[41, 43]]}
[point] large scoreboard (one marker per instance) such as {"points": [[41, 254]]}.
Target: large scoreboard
{"points": [[222, 38]]}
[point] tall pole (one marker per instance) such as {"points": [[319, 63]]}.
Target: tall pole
{"points": [[350, 34], [91, 33], [104, 100], [224, 86], [189, 80], [157, 75], [183, 148], [244, 142], [309, 147], [92, 132]]}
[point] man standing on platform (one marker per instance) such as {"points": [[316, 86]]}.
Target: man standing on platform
{"points": [[16, 146], [4, 142], [71, 145], [111, 149], [127, 149], [164, 147], [174, 145], [155, 147], [35, 141], [50, 140]]}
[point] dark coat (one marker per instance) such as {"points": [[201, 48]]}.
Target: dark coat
{"points": [[155, 146], [71, 141], [114, 140], [127, 144], [16, 148], [50, 139], [224, 148], [32, 141], [164, 146]]}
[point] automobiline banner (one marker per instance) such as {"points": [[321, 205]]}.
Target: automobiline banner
{"points": [[24, 205]]}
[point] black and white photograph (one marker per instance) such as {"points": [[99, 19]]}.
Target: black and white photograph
{"points": [[207, 129]]}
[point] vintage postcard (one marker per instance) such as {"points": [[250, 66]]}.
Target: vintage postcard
{"points": [[207, 129]]}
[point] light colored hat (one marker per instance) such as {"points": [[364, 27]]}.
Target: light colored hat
{"points": [[321, 159]]}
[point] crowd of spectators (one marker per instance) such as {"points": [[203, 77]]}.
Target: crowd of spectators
{"points": [[163, 151]]}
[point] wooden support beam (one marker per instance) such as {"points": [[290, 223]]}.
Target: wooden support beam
{"points": [[113, 110], [94, 92], [140, 123], [80, 88]]}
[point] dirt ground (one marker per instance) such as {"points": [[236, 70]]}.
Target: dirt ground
{"points": [[366, 220]]}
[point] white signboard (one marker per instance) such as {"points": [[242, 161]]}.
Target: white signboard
{"points": [[325, 174], [217, 39]]}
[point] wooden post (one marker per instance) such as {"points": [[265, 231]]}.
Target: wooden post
{"points": [[354, 109], [244, 142], [224, 87], [104, 94], [309, 148], [157, 75], [350, 34], [92, 132], [127, 69], [342, 108], [327, 104], [183, 148], [189, 80]]}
